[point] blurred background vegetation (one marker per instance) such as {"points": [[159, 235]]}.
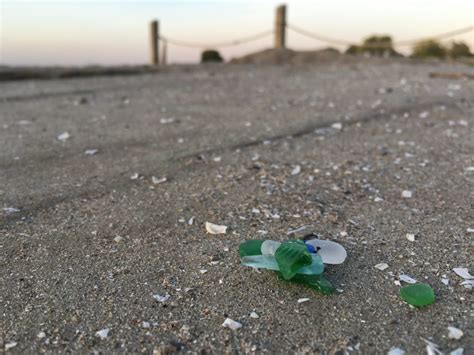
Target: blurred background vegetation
{"points": [[211, 55], [382, 45]]}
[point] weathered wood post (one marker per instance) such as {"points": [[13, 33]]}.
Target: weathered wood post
{"points": [[154, 45], [280, 26]]}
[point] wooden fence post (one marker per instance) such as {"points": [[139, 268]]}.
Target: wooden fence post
{"points": [[280, 26], [154, 45]]}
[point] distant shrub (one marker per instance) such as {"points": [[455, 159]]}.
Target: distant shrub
{"points": [[353, 50], [429, 49], [210, 55], [374, 46], [459, 50], [379, 46]]}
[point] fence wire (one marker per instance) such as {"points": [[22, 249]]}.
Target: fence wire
{"points": [[216, 45], [313, 35], [409, 42]]}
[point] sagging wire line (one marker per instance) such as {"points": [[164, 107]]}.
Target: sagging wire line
{"points": [[312, 35], [216, 45], [438, 36], [318, 36], [409, 42]]}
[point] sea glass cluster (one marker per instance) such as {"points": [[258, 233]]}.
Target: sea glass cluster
{"points": [[296, 261]]}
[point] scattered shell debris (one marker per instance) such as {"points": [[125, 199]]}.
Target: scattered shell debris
{"points": [[396, 351], [10, 345], [302, 300], [468, 278], [407, 279], [159, 180], [231, 324], [296, 170], [10, 210], [455, 333], [381, 266], [103, 333], [161, 298], [91, 151], [63, 136], [212, 228], [254, 315]]}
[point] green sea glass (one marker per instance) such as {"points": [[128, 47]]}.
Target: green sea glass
{"points": [[418, 295], [269, 262], [316, 282], [250, 247], [292, 256]]}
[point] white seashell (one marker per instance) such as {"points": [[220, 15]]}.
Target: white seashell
{"points": [[407, 279], [455, 333], [296, 170], [160, 298], [381, 266], [103, 333], [395, 351], [463, 272], [215, 229], [63, 136], [159, 180], [232, 324]]}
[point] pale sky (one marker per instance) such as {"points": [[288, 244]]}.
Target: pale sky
{"points": [[116, 31]]}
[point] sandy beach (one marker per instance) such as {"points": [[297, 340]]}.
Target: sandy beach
{"points": [[91, 231]]}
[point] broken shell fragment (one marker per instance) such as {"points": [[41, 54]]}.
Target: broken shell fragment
{"points": [[232, 324], [212, 228]]}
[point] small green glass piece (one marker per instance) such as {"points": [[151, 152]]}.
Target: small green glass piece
{"points": [[418, 295], [251, 247], [316, 282], [291, 256], [269, 262]]}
